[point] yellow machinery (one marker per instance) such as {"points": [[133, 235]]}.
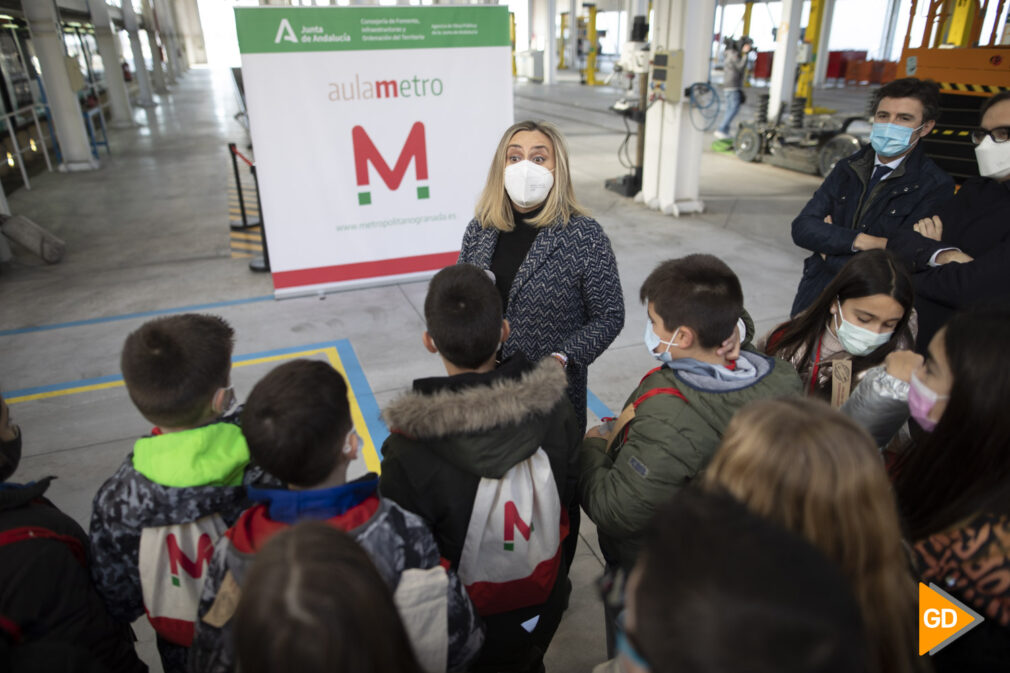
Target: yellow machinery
{"points": [[592, 48], [512, 40], [562, 64], [968, 66], [811, 47]]}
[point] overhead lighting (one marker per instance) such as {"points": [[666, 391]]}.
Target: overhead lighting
{"points": [[31, 143], [10, 160]]}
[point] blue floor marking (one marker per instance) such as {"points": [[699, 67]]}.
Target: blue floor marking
{"points": [[597, 406], [366, 400], [131, 316]]}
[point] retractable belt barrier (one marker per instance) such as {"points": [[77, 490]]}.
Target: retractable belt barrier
{"points": [[257, 263]]}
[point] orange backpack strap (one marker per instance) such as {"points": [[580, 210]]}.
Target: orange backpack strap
{"points": [[622, 424]]}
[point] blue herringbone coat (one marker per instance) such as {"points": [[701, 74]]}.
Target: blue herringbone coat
{"points": [[566, 296]]}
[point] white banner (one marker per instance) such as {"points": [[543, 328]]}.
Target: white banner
{"points": [[373, 129]]}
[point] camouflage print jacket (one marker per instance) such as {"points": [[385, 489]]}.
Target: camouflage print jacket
{"points": [[398, 542], [170, 480]]}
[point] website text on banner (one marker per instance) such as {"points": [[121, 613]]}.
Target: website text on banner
{"points": [[370, 152]]}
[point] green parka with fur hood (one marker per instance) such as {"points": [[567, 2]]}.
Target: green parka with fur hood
{"points": [[680, 417]]}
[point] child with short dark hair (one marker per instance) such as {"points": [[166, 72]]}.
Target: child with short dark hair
{"points": [[297, 421], [154, 522], [313, 602], [673, 421], [487, 456]]}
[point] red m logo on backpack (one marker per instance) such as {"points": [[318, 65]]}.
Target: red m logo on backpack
{"points": [[513, 521], [177, 557], [365, 152]]}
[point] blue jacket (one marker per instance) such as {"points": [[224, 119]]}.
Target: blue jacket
{"points": [[566, 296], [913, 192]]}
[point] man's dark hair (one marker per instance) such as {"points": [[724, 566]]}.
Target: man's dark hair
{"points": [[295, 421], [998, 98], [697, 291], [722, 589], [463, 312], [926, 91], [172, 367]]}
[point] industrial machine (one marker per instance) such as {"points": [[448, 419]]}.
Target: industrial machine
{"points": [[969, 67], [638, 69], [809, 144]]}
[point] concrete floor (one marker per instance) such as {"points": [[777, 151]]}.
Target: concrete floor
{"points": [[148, 232]]}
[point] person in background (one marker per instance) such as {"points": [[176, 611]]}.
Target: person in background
{"points": [[862, 315], [961, 255], [733, 72], [810, 469], [871, 196], [953, 482], [314, 603], [718, 588], [552, 264], [51, 618]]}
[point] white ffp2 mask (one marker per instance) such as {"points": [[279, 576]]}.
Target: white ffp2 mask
{"points": [[527, 183], [993, 158]]}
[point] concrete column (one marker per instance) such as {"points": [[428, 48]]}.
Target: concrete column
{"points": [[673, 147], [164, 28], [530, 14], [43, 22], [783, 83], [144, 98], [891, 16], [157, 66], [824, 49], [572, 46], [551, 48], [191, 31], [166, 19], [119, 99]]}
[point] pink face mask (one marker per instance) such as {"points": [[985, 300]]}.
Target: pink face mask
{"points": [[921, 400]]}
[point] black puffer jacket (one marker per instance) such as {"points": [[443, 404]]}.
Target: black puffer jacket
{"points": [[447, 434], [45, 585]]}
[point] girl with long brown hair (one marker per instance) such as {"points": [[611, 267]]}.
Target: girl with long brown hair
{"points": [[814, 471]]}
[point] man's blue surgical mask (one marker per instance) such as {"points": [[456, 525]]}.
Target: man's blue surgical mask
{"points": [[890, 140]]}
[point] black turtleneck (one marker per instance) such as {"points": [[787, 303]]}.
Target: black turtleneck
{"points": [[511, 250]]}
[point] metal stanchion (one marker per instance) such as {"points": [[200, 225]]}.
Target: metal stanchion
{"points": [[246, 222], [260, 263]]}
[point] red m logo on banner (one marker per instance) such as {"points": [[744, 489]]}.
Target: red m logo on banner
{"points": [[513, 521], [177, 557], [365, 152]]}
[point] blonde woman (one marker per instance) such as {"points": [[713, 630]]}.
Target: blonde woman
{"points": [[814, 471], [552, 263]]}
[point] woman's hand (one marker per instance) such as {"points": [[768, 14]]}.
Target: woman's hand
{"points": [[901, 364], [930, 227]]}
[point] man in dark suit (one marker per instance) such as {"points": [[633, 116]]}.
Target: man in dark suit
{"points": [[876, 192], [961, 255]]}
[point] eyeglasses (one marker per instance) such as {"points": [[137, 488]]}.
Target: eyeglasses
{"points": [[1000, 134]]}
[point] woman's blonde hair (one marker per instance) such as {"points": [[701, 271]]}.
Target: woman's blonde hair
{"points": [[806, 466], [494, 207]]}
